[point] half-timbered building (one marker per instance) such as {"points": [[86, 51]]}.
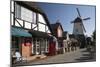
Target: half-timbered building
{"points": [[30, 29]]}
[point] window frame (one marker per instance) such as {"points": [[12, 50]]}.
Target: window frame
{"points": [[35, 16]]}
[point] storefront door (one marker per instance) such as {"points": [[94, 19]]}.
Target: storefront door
{"points": [[40, 46]]}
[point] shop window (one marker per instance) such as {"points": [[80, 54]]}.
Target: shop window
{"points": [[15, 44], [27, 41]]}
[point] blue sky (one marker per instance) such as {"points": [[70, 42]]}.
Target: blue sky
{"points": [[67, 12]]}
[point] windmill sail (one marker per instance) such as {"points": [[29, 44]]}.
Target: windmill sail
{"points": [[78, 12], [86, 18], [83, 24]]}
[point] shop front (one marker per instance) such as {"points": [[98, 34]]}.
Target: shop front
{"points": [[21, 43], [40, 42]]}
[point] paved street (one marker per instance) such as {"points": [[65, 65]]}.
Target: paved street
{"points": [[80, 55]]}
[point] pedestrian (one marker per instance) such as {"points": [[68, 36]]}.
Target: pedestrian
{"points": [[18, 56]]}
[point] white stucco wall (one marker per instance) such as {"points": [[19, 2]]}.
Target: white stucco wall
{"points": [[20, 21], [41, 19], [41, 27]]}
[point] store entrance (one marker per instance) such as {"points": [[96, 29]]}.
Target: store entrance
{"points": [[40, 46]]}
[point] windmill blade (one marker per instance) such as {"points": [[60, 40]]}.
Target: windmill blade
{"points": [[86, 18], [78, 12], [83, 27]]}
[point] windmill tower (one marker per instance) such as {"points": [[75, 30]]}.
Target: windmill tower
{"points": [[78, 28]]}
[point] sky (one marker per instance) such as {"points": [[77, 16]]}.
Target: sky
{"points": [[66, 13]]}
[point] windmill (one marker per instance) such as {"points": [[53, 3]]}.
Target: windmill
{"points": [[79, 28]]}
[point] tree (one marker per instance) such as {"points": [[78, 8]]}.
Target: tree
{"points": [[94, 37]]}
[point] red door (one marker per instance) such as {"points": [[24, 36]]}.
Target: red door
{"points": [[52, 48]]}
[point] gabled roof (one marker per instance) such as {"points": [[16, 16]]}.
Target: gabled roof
{"points": [[55, 26], [33, 7]]}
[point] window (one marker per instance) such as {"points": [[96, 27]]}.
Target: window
{"points": [[34, 17], [17, 11], [12, 6], [43, 44], [11, 19], [47, 46], [15, 44], [25, 14]]}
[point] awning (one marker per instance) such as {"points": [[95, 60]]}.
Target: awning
{"points": [[19, 32], [39, 34]]}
